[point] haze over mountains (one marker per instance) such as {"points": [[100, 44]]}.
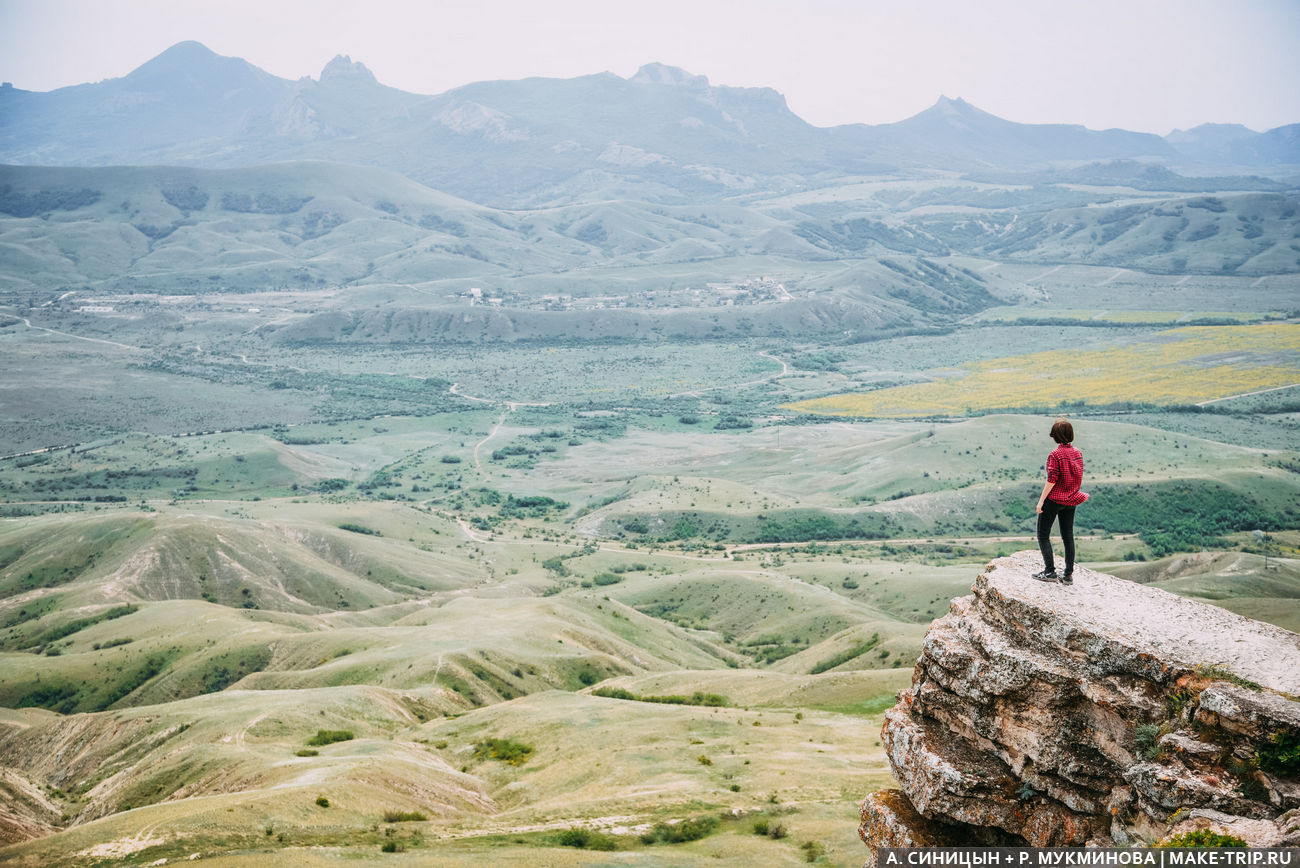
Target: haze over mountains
{"points": [[662, 134]]}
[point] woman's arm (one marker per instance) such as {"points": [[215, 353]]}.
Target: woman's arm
{"points": [[1047, 486]]}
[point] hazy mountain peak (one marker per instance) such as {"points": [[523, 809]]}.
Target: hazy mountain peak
{"points": [[184, 58], [1215, 133], [956, 108], [187, 51], [660, 73], [343, 67]]}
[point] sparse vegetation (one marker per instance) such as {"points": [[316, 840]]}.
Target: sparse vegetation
{"points": [[504, 750], [586, 839], [1202, 838], [359, 528], [1280, 754], [329, 736], [712, 700], [845, 656], [404, 817], [690, 829], [1146, 738]]}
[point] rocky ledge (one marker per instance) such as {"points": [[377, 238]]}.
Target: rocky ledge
{"points": [[1102, 713]]}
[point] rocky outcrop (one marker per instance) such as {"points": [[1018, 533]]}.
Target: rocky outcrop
{"points": [[1100, 713]]}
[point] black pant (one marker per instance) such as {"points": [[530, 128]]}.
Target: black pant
{"points": [[1051, 510]]}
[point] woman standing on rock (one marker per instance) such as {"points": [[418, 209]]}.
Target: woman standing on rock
{"points": [[1060, 496]]}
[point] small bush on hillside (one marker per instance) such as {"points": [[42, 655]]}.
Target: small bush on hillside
{"points": [[586, 839], [306, 751], [692, 829], [812, 850], [606, 579], [708, 700], [322, 801], [329, 736], [403, 817], [359, 528], [504, 750]]}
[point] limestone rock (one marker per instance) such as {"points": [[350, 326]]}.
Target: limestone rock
{"points": [[1103, 712]]}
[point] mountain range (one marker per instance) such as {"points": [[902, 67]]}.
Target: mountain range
{"points": [[662, 134]]}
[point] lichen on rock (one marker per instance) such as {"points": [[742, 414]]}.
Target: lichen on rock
{"points": [[1105, 712]]}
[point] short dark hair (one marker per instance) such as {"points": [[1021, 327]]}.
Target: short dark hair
{"points": [[1062, 431]]}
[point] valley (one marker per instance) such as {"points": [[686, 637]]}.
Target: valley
{"points": [[569, 496]]}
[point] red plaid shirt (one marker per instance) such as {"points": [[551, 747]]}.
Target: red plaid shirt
{"points": [[1065, 470]]}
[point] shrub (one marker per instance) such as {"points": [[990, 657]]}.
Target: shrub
{"points": [[606, 579], [512, 753], [322, 801], [1202, 838], [708, 700], [692, 829], [761, 827], [403, 817], [391, 847], [586, 839], [306, 751], [329, 736]]}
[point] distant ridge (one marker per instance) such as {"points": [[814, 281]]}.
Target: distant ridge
{"points": [[662, 134]]}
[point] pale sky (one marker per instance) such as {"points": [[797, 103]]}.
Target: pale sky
{"points": [[1146, 65]]}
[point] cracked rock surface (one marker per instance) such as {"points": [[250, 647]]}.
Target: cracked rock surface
{"points": [[1101, 713]]}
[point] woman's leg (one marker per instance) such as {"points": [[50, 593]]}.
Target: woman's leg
{"points": [[1067, 537], [1045, 519]]}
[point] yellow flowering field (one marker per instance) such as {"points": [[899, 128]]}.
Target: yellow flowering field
{"points": [[1173, 317], [1180, 366]]}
